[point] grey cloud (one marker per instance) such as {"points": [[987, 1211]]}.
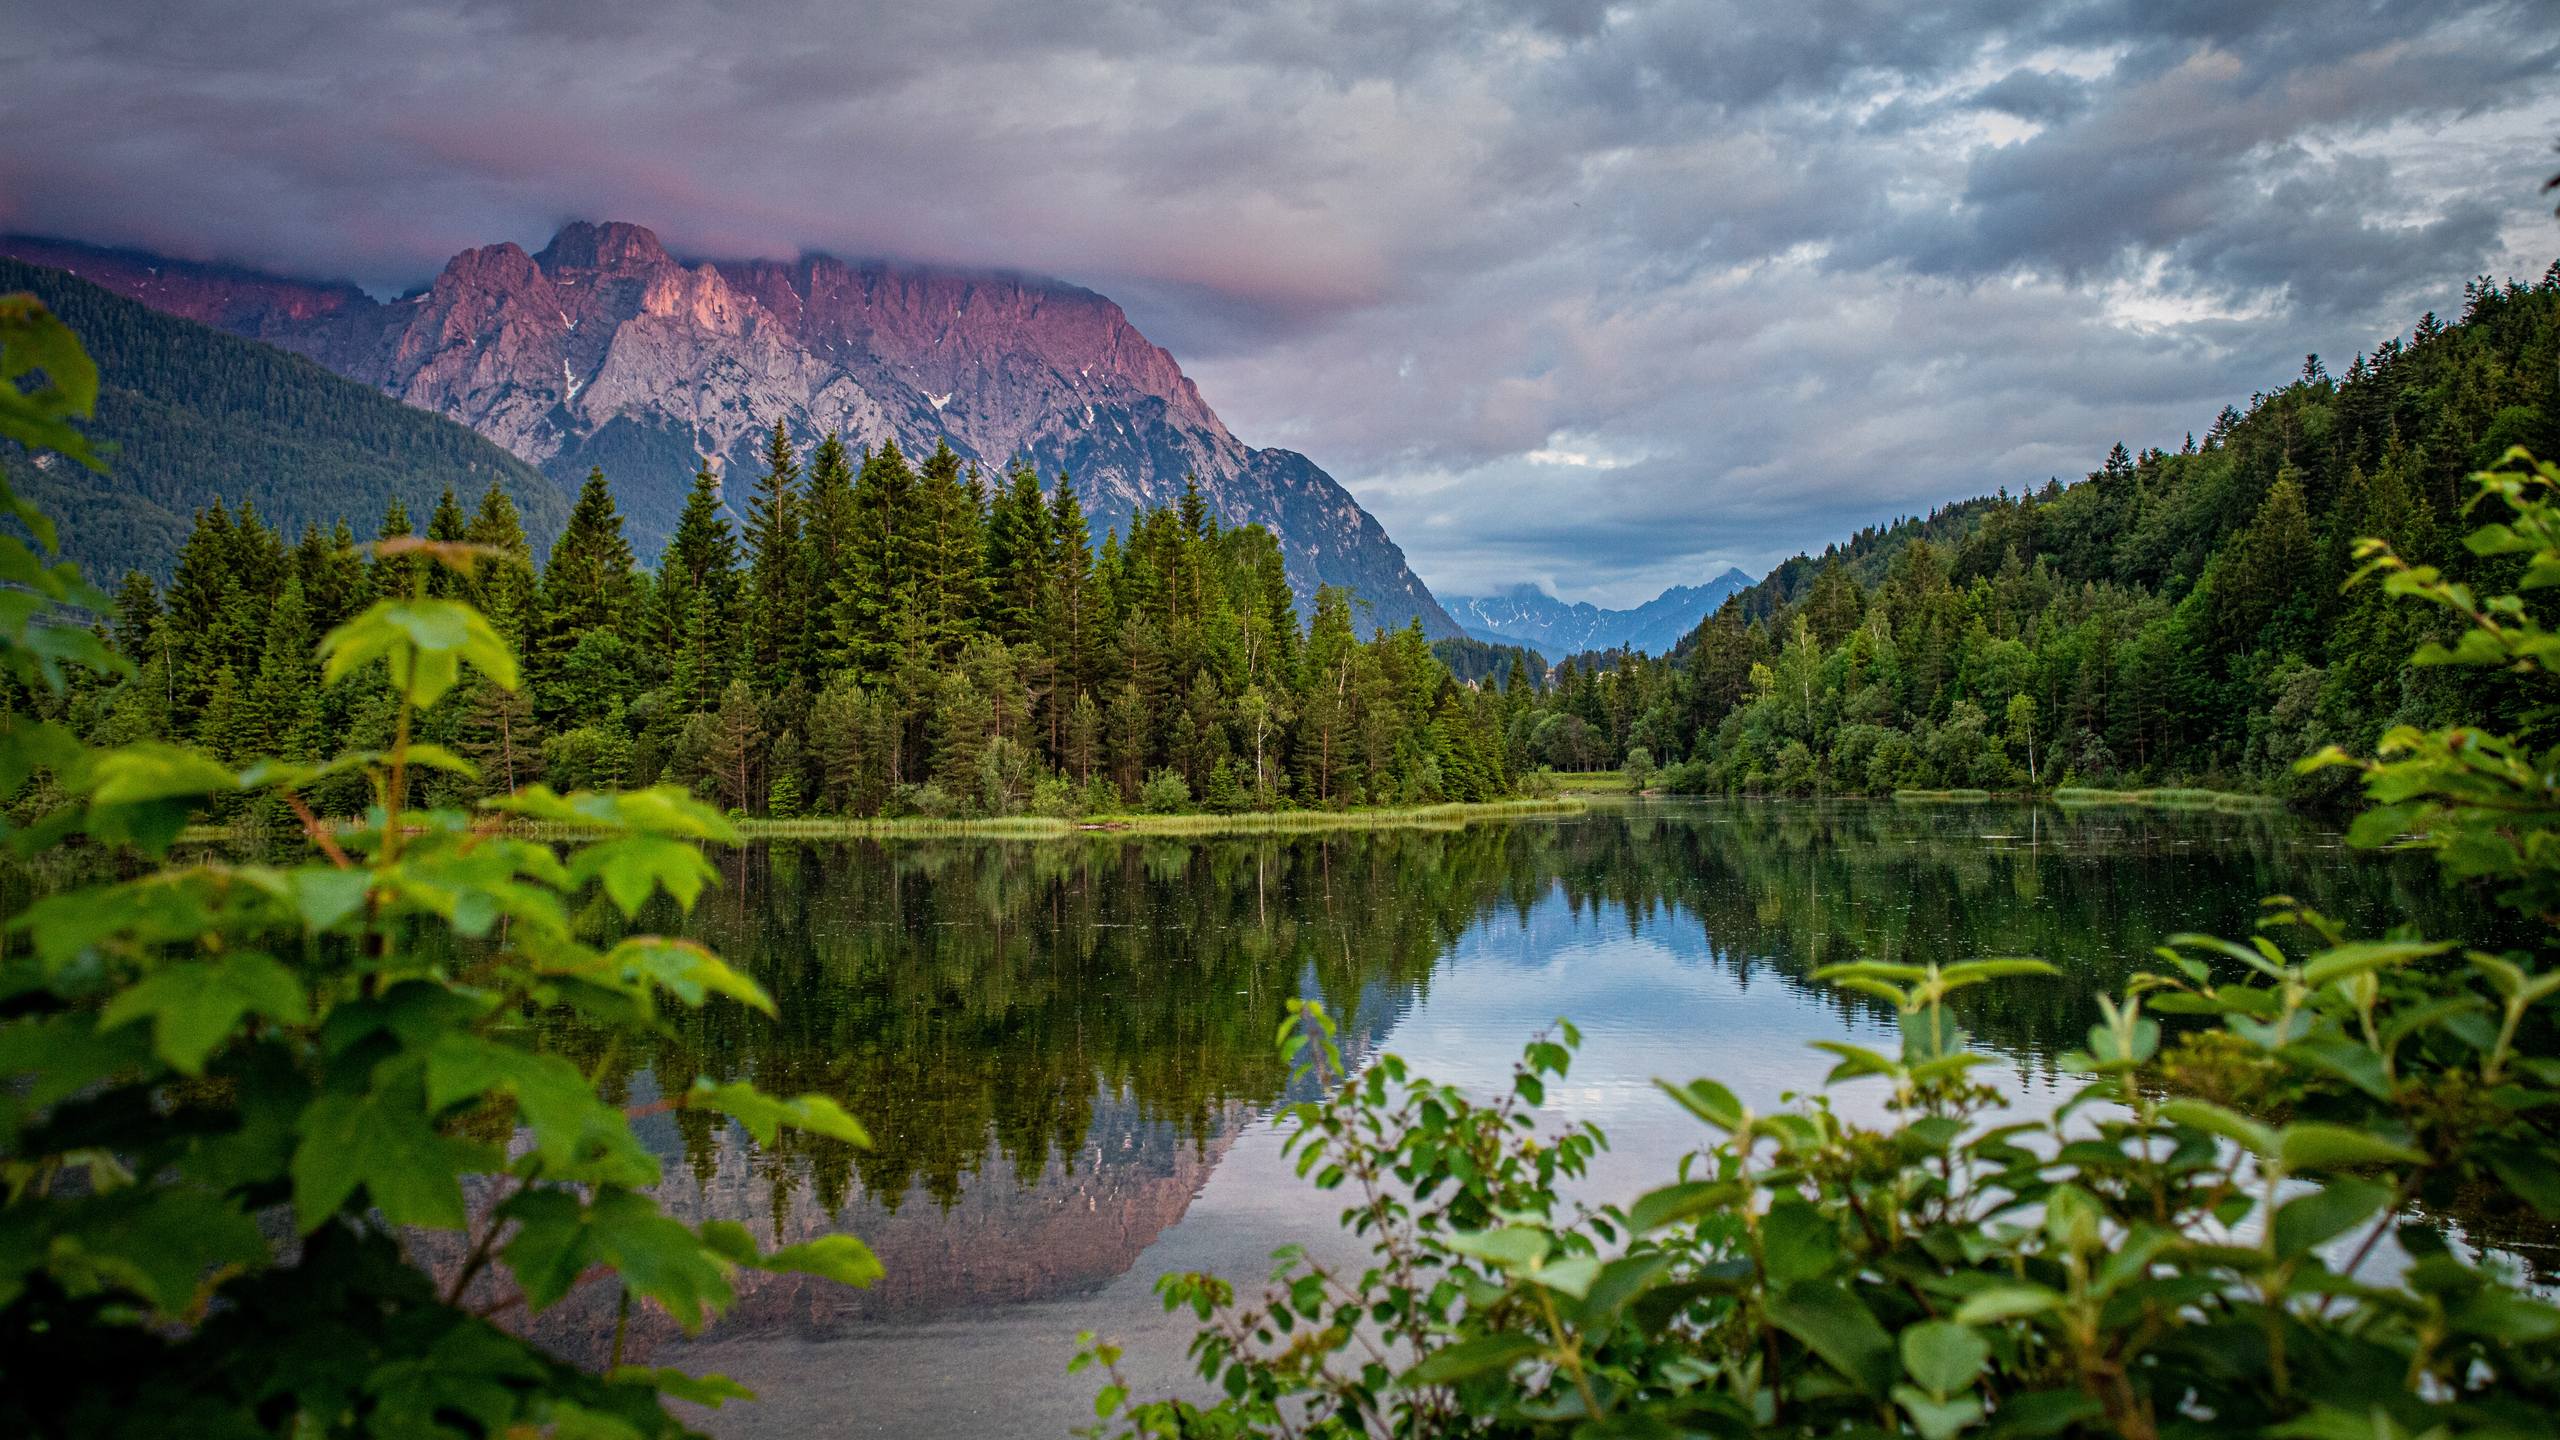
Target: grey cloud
{"points": [[1776, 271]]}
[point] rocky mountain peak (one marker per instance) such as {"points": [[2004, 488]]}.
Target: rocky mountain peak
{"points": [[609, 245], [604, 349]]}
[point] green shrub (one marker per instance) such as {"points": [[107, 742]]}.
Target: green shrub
{"points": [[2191, 1245], [1639, 768], [228, 1091], [1165, 793]]}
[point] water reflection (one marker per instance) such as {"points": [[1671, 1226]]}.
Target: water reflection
{"points": [[1056, 1045]]}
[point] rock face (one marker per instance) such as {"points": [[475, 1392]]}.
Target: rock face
{"points": [[1526, 615], [603, 349]]}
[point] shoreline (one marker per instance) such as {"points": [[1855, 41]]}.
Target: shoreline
{"points": [[1451, 816]]}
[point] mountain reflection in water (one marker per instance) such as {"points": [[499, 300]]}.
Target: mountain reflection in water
{"points": [[1063, 1050]]}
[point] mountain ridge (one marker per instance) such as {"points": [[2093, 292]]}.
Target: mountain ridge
{"points": [[1527, 615], [603, 348], [190, 415]]}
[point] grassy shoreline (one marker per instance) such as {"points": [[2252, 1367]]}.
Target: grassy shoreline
{"points": [[2168, 798], [1452, 816], [1257, 822], [2083, 796]]}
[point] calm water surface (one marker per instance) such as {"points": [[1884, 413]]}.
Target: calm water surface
{"points": [[1063, 1048]]}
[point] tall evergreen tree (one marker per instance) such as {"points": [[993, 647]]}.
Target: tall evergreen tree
{"points": [[776, 568], [587, 584]]}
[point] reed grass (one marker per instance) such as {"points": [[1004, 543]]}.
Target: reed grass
{"points": [[2169, 798]]}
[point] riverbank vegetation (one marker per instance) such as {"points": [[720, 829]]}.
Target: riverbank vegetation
{"points": [[2177, 618], [2237, 1223]]}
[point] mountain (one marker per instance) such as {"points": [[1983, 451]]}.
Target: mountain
{"points": [[1527, 615], [189, 416], [604, 349]]}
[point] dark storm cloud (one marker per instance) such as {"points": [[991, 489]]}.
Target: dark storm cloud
{"points": [[1607, 295]]}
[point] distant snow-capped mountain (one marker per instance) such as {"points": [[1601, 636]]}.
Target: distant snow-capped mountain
{"points": [[1527, 615]]}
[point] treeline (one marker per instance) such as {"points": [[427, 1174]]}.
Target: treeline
{"points": [[869, 637], [2173, 618]]}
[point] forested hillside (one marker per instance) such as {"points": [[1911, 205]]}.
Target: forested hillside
{"points": [[189, 416], [877, 638], [2177, 616]]}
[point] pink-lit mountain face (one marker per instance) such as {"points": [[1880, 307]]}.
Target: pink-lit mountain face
{"points": [[603, 349]]}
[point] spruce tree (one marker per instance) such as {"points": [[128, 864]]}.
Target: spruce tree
{"points": [[776, 568], [877, 590], [503, 583], [448, 525], [394, 574], [827, 538], [735, 760], [1070, 588], [587, 583]]}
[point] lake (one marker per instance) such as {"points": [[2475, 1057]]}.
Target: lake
{"points": [[1063, 1049]]}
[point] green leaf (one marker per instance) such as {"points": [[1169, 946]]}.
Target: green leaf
{"points": [[1938, 1419], [682, 968], [1943, 1356], [710, 1391], [840, 1258], [1514, 1247], [1572, 1275], [2006, 1302], [1976, 972], [556, 1240], [1674, 1203], [1798, 1242], [422, 643], [2352, 1061], [2307, 1221], [1708, 1101], [2043, 1412], [2361, 956], [577, 1136], [389, 1149], [635, 867], [2532, 1175], [326, 895], [2314, 1146], [2259, 1140], [764, 1115], [159, 1242], [195, 1005], [1468, 1359], [1835, 1326]]}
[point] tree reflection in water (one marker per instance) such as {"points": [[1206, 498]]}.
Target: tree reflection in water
{"points": [[1053, 1043]]}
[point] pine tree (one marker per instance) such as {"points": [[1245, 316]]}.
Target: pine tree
{"points": [[395, 574], [445, 525], [587, 584], [498, 735], [776, 567], [836, 740], [503, 584], [1084, 736], [962, 726], [1070, 588], [734, 761], [950, 582], [827, 540], [1130, 727], [877, 590], [279, 714]]}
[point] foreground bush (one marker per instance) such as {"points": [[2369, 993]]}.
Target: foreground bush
{"points": [[2251, 1226], [230, 1094]]}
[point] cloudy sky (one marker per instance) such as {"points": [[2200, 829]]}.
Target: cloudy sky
{"points": [[1600, 295]]}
